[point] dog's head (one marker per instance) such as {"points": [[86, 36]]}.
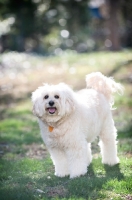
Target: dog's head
{"points": [[52, 102]]}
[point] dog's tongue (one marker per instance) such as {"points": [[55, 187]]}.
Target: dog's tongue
{"points": [[52, 110]]}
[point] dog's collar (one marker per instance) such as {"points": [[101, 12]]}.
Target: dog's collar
{"points": [[51, 128]]}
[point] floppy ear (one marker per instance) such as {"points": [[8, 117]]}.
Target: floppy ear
{"points": [[69, 103], [37, 103], [37, 109]]}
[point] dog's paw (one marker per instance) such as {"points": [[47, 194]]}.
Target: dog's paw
{"points": [[75, 175], [61, 174], [111, 161]]}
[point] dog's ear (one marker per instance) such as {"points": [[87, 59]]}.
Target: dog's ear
{"points": [[69, 104], [37, 109], [37, 103], [69, 100]]}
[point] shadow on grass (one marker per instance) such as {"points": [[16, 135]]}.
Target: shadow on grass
{"points": [[113, 172], [90, 187]]}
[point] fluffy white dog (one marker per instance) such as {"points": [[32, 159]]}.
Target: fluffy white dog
{"points": [[70, 121]]}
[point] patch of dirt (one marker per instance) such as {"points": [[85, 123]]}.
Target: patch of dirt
{"points": [[36, 151], [128, 197], [56, 191]]}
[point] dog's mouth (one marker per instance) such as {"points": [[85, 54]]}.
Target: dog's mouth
{"points": [[51, 110]]}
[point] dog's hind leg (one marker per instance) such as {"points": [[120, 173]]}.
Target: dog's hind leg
{"points": [[108, 143]]}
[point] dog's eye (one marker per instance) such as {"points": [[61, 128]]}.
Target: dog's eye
{"points": [[46, 97], [56, 97]]}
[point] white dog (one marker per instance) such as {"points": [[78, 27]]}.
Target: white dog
{"points": [[70, 121]]}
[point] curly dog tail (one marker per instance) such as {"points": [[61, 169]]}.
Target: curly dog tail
{"points": [[103, 84]]}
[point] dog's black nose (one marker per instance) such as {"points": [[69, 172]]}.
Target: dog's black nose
{"points": [[51, 103]]}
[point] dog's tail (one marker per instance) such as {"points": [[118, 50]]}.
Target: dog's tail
{"points": [[103, 84]]}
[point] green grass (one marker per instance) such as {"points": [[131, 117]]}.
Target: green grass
{"points": [[32, 179], [26, 170]]}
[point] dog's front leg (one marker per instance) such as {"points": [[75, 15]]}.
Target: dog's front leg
{"points": [[60, 162], [78, 159]]}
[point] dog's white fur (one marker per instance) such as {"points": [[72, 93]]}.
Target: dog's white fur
{"points": [[78, 119]]}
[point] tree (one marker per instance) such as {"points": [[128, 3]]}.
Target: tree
{"points": [[113, 24], [39, 24]]}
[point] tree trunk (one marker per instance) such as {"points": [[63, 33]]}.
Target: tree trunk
{"points": [[114, 36]]}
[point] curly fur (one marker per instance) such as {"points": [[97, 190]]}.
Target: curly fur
{"points": [[77, 119]]}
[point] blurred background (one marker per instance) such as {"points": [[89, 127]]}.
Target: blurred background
{"points": [[51, 26]]}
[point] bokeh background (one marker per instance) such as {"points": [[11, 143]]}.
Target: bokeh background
{"points": [[52, 26]]}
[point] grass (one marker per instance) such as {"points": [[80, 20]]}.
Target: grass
{"points": [[26, 170]]}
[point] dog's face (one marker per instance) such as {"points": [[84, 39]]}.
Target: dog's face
{"points": [[52, 102]]}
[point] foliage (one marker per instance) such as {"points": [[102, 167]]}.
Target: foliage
{"points": [[33, 20]]}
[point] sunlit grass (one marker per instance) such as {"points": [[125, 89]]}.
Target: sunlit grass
{"points": [[33, 179]]}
